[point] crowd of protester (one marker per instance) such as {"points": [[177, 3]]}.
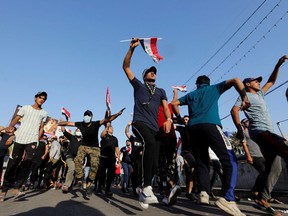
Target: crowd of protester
{"points": [[151, 160]]}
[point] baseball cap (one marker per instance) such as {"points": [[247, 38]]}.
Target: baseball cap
{"points": [[41, 93], [147, 70], [244, 120], [88, 112], [250, 79]]}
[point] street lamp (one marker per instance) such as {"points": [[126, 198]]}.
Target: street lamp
{"points": [[278, 125]]}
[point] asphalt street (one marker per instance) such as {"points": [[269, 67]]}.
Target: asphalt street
{"points": [[75, 203]]}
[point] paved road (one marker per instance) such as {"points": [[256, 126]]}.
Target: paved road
{"points": [[75, 203]]}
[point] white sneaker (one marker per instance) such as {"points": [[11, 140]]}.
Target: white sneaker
{"points": [[165, 201], [147, 196], [175, 191], [203, 198], [229, 207]]}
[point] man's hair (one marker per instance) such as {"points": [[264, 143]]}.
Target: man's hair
{"points": [[88, 112], [41, 93], [203, 80]]}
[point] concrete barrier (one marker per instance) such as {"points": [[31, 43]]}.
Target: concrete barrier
{"points": [[247, 176]]}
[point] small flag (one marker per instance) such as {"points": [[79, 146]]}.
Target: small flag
{"points": [[150, 47], [108, 101], [108, 104], [180, 88], [66, 113]]}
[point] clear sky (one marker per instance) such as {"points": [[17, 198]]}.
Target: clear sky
{"points": [[71, 49]]}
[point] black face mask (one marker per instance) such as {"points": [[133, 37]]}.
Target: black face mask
{"points": [[150, 80]]}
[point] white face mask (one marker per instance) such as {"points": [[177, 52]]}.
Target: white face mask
{"points": [[87, 119], [78, 133]]}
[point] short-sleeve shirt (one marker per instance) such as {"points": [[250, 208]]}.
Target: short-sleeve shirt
{"points": [[108, 145], [137, 147], [257, 114], [146, 105], [203, 104], [89, 134], [31, 120], [126, 153]]}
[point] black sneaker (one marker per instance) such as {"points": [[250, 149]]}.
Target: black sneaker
{"points": [[78, 185], [192, 197], [125, 190], [108, 193], [99, 192]]}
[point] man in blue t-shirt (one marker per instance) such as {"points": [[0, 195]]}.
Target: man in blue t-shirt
{"points": [[205, 129], [147, 99], [261, 128]]}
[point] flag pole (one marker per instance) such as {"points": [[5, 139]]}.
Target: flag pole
{"points": [[128, 40]]}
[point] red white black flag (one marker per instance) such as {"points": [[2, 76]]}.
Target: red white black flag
{"points": [[66, 113], [180, 88], [150, 47]]}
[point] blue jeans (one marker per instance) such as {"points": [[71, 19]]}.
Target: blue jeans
{"points": [[127, 169]]}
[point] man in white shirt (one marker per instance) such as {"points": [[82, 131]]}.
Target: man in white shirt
{"points": [[27, 135]]}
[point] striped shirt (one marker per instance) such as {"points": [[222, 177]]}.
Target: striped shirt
{"points": [[31, 120]]}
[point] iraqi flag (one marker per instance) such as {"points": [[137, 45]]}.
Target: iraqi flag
{"points": [[180, 88], [66, 113], [108, 103], [150, 47]]}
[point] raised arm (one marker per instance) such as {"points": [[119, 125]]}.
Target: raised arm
{"points": [[128, 135], [239, 86], [272, 79], [175, 106], [126, 63], [111, 118], [66, 123], [104, 132]]}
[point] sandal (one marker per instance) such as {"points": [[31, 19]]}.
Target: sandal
{"points": [[2, 197], [273, 200], [19, 195]]}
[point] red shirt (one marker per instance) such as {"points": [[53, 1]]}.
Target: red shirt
{"points": [[118, 169], [162, 119]]}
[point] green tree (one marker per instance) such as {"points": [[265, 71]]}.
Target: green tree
{"points": [[236, 144]]}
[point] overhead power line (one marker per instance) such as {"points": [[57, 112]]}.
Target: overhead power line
{"points": [[253, 47], [226, 42]]}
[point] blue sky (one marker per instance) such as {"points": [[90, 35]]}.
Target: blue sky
{"points": [[72, 50]]}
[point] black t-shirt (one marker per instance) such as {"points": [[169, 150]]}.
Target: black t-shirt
{"points": [[74, 143], [108, 145], [41, 148], [89, 134], [137, 147], [126, 156], [146, 105]]}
